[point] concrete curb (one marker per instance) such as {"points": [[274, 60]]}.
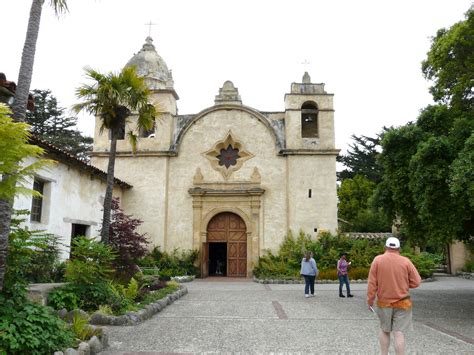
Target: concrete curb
{"points": [[134, 318]]}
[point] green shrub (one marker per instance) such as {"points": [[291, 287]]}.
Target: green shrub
{"points": [[21, 252], [91, 262], [124, 296], [106, 309], [423, 263], [81, 328], [177, 263], [469, 266], [86, 297], [44, 259], [64, 297], [358, 273], [161, 293], [32, 329], [151, 271], [286, 263], [25, 327], [328, 274]]}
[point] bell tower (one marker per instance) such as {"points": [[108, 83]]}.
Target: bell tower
{"points": [[309, 117], [311, 155]]}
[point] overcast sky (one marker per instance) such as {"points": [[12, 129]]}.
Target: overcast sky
{"points": [[368, 53]]}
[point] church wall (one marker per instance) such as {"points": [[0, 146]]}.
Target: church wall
{"points": [[317, 173], [70, 196], [201, 137], [146, 200]]}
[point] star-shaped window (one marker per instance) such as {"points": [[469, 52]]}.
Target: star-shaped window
{"points": [[228, 156]]}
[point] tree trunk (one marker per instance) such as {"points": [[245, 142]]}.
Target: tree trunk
{"points": [[19, 113], [104, 234], [5, 219], [27, 61]]}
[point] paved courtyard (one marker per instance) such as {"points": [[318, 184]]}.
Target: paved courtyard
{"points": [[235, 315]]}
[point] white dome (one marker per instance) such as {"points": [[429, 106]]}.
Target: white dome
{"points": [[150, 65]]}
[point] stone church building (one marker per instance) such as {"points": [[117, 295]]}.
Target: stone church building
{"points": [[230, 180]]}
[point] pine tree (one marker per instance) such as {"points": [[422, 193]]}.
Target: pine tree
{"points": [[50, 123]]}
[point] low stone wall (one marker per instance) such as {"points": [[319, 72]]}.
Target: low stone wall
{"points": [[301, 281], [466, 275], [133, 318], [91, 347], [38, 293], [186, 278]]}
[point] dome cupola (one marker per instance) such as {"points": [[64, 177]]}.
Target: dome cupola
{"points": [[150, 65]]}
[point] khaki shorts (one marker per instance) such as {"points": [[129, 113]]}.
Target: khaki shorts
{"points": [[395, 319]]}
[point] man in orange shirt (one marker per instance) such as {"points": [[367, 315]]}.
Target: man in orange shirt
{"points": [[390, 278]]}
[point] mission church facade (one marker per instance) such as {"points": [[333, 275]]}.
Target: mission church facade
{"points": [[229, 181]]}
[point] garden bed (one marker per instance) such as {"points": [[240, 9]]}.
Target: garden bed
{"points": [[133, 318]]}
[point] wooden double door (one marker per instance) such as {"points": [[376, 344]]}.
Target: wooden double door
{"points": [[227, 228]]}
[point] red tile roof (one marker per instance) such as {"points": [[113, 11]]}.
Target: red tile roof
{"points": [[70, 159]]}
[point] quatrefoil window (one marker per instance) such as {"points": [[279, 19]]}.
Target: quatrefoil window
{"points": [[227, 155]]}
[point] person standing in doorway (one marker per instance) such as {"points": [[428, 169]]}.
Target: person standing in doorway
{"points": [[390, 278], [309, 271], [342, 275]]}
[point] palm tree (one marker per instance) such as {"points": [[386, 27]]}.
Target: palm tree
{"points": [[113, 98], [19, 108], [28, 55]]}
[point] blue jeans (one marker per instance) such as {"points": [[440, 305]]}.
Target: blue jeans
{"points": [[309, 284], [344, 279]]}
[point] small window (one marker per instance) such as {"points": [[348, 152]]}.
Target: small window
{"points": [[37, 202], [309, 120], [77, 230], [148, 133]]}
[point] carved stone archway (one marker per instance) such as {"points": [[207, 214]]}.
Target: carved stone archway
{"points": [[242, 199]]}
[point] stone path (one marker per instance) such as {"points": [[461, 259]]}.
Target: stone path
{"points": [[242, 316]]}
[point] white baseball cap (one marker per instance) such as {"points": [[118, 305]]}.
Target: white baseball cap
{"points": [[392, 243]]}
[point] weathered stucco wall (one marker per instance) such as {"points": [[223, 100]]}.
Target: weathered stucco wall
{"points": [[318, 174], [70, 196], [200, 137]]}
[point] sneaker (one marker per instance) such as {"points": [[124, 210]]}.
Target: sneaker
{"points": [[306, 295], [349, 295], [312, 295], [341, 295]]}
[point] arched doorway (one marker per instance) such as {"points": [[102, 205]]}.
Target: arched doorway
{"points": [[226, 247]]}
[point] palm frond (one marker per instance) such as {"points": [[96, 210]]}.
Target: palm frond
{"points": [[133, 139], [59, 6]]}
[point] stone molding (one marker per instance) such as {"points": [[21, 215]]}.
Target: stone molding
{"points": [[308, 152], [130, 154], [277, 133]]}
